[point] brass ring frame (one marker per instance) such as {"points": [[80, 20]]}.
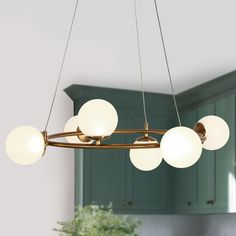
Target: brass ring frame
{"points": [[198, 128], [49, 142]]}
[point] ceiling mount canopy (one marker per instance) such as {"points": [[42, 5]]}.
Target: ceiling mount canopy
{"points": [[97, 120]]}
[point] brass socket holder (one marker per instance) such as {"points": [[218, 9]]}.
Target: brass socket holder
{"points": [[201, 131]]}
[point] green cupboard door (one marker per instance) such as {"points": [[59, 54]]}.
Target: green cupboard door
{"points": [[185, 178], [205, 169], [104, 173], [225, 158], [146, 190]]}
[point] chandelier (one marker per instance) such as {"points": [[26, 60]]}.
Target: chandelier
{"points": [[97, 120]]}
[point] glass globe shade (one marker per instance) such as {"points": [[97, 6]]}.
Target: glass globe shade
{"points": [[217, 132], [25, 145], [97, 117], [181, 147], [71, 126], [145, 159]]}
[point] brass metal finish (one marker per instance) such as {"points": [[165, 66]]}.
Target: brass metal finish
{"points": [[82, 137], [146, 139], [146, 127], [102, 146], [98, 140], [44, 133], [140, 131], [198, 128], [201, 131], [87, 139], [120, 131]]}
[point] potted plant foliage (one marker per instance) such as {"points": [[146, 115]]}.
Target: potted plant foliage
{"points": [[93, 220]]}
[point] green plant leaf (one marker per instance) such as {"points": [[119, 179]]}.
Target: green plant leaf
{"points": [[94, 220]]}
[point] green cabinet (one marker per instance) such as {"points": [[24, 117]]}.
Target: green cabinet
{"points": [[108, 176], [148, 191], [208, 184], [225, 157], [215, 167], [104, 173], [185, 178], [205, 168], [104, 176]]}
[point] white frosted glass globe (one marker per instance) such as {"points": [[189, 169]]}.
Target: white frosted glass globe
{"points": [[97, 117], [217, 132], [145, 159], [25, 145], [71, 126], [181, 147]]}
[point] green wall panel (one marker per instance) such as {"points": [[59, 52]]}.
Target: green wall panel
{"points": [[147, 190], [225, 157], [108, 176], [205, 167], [185, 178]]}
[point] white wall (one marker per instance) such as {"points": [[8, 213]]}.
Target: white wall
{"points": [[32, 198]]}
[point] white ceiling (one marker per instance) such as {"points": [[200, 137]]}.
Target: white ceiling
{"points": [[200, 39]]}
